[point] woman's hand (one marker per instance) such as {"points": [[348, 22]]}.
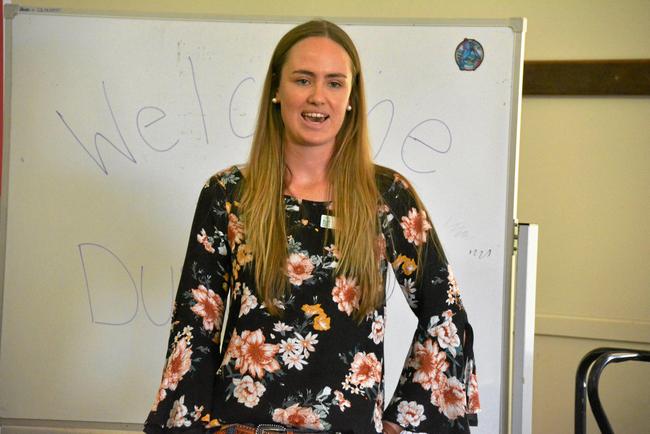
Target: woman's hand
{"points": [[391, 428]]}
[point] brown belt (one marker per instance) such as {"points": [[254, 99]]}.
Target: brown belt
{"points": [[265, 429]]}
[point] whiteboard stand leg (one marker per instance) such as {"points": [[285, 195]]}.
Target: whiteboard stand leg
{"points": [[524, 329]]}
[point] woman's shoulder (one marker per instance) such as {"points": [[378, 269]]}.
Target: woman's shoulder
{"points": [[393, 186], [228, 179]]}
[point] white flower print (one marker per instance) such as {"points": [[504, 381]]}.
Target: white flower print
{"points": [[378, 413], [281, 327], [307, 343], [294, 360], [203, 239], [377, 333], [339, 399], [409, 289], [453, 293], [410, 413], [177, 414], [248, 301], [447, 335], [196, 414], [248, 391], [290, 345]]}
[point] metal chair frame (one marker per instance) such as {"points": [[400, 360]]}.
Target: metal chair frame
{"points": [[587, 379]]}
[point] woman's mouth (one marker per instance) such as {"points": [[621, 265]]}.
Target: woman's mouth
{"points": [[315, 117]]}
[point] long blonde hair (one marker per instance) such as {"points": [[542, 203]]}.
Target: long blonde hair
{"points": [[351, 175]]}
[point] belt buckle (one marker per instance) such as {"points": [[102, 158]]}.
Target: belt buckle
{"points": [[265, 428]]}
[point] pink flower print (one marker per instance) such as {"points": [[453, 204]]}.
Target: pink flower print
{"points": [[474, 404], [256, 356], [365, 370], [248, 391], [415, 226], [346, 294], [208, 306], [339, 399], [203, 239], [450, 398], [429, 363], [299, 268], [296, 416], [235, 231], [410, 413]]}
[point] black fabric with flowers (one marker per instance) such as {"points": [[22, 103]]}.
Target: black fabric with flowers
{"points": [[316, 367]]}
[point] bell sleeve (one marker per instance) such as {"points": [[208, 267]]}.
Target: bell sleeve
{"points": [[193, 356], [437, 391]]}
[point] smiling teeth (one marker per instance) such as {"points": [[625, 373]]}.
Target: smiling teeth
{"points": [[315, 115]]}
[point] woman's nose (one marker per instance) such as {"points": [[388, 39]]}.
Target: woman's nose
{"points": [[317, 96]]}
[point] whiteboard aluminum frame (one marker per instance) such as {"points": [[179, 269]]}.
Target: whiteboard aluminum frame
{"points": [[518, 26]]}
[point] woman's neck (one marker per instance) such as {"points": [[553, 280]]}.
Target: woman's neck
{"points": [[306, 175]]}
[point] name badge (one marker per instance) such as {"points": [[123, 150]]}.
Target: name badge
{"points": [[327, 221]]}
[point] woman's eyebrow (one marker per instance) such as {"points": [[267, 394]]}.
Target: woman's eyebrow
{"points": [[312, 74]]}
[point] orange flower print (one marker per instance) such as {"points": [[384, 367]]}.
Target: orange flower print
{"points": [[365, 370], [244, 254], [209, 306], [235, 231], [415, 226], [312, 309], [450, 398], [299, 268], [203, 239], [346, 294], [248, 391], [429, 363], [322, 322], [410, 413], [296, 416], [408, 265], [255, 356], [474, 404]]}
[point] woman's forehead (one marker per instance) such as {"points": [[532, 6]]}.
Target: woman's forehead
{"points": [[318, 54]]}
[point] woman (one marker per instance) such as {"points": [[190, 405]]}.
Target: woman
{"points": [[300, 240]]}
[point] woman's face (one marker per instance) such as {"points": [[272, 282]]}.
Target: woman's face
{"points": [[314, 91]]}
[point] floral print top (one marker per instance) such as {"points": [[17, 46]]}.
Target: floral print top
{"points": [[315, 367]]}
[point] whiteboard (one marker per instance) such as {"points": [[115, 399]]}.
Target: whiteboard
{"points": [[114, 125]]}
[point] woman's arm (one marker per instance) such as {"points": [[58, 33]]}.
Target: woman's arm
{"points": [[193, 356], [437, 384]]}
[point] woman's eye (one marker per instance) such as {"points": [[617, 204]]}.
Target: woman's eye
{"points": [[336, 84], [302, 81]]}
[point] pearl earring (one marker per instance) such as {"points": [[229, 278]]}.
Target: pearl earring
{"points": [[274, 100], [349, 108]]}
